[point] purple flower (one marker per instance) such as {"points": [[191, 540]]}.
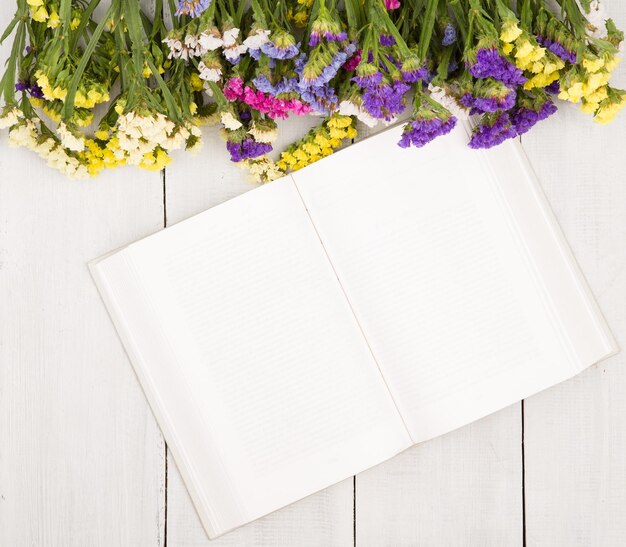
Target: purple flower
{"points": [[36, 91], [368, 80], [286, 85], [449, 35], [412, 76], [314, 77], [322, 99], [385, 101], [558, 49], [316, 37], [491, 133], [248, 148], [553, 88], [193, 8], [524, 119], [483, 104], [490, 64], [387, 40], [32, 87], [420, 131], [281, 52]]}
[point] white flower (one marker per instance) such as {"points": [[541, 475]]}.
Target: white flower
{"points": [[44, 148], [10, 117], [191, 41], [229, 121], [262, 169], [210, 40], [230, 37], [257, 39], [348, 108], [232, 53], [24, 134], [177, 49], [448, 101], [69, 139], [266, 136], [209, 74]]}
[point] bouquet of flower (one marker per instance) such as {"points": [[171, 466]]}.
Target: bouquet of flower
{"points": [[90, 92]]}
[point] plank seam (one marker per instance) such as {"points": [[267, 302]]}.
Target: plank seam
{"points": [[523, 480]]}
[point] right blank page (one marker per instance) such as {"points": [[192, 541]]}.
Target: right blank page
{"points": [[457, 273]]}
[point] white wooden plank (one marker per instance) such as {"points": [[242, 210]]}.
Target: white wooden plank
{"points": [[460, 489], [575, 433], [193, 185], [81, 457]]}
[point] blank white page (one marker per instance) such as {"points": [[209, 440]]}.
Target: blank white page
{"points": [[251, 356], [468, 302]]}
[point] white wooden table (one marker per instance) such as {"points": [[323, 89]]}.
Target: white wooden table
{"points": [[83, 463]]}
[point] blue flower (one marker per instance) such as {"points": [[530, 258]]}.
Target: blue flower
{"points": [[193, 8], [449, 35]]}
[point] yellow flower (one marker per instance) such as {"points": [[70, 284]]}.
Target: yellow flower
{"points": [[54, 116], [40, 14], [598, 96], [593, 65], [339, 121], [510, 31], [75, 23], [34, 3], [524, 49], [507, 48], [301, 19], [311, 148], [595, 81], [573, 94], [336, 133], [101, 134], [196, 83], [59, 93], [37, 103], [611, 63], [588, 107], [541, 80], [607, 112], [86, 121], [193, 108], [54, 20], [146, 71]]}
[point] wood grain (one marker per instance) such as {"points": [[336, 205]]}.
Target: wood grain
{"points": [[81, 457], [575, 433]]}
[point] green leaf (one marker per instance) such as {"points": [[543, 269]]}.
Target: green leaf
{"points": [[428, 24], [68, 107], [8, 80], [84, 21], [7, 32], [167, 95]]}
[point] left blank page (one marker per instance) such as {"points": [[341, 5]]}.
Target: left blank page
{"points": [[250, 356]]}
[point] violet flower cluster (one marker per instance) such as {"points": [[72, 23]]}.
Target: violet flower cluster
{"points": [[490, 64], [420, 131], [247, 149]]}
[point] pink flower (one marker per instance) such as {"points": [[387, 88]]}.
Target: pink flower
{"points": [[353, 61], [233, 90], [392, 4]]}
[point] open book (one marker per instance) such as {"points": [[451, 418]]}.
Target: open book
{"points": [[321, 324]]}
